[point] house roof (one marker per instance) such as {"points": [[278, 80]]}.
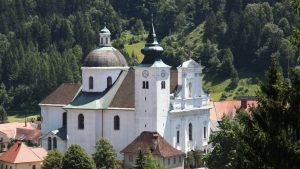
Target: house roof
{"points": [[61, 133], [64, 94], [20, 153], [27, 134], [15, 130], [219, 109], [152, 141]]}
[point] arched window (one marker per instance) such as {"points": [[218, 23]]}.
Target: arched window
{"points": [[117, 123], [204, 132], [54, 142], [190, 89], [80, 121], [91, 82], [64, 119], [190, 131], [109, 82], [33, 167], [178, 136], [49, 143], [163, 84], [106, 40], [147, 85]]}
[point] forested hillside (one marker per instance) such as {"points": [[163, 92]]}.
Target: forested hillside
{"points": [[43, 42]]}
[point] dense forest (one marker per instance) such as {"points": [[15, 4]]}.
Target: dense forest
{"points": [[43, 42]]}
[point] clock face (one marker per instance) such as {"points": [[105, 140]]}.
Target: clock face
{"points": [[145, 73], [163, 73]]}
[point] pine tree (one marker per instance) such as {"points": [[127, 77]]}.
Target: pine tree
{"points": [[105, 156], [271, 131], [140, 162]]}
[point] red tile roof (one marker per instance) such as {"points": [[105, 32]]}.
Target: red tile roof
{"points": [[64, 94], [152, 141], [219, 109], [20, 153], [13, 130]]}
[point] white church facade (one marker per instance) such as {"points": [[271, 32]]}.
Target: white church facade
{"points": [[118, 103]]}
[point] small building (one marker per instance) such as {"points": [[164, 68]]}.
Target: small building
{"points": [[229, 108], [18, 131], [20, 156], [162, 151]]}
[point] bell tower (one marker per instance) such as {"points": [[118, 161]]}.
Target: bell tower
{"points": [[152, 88]]}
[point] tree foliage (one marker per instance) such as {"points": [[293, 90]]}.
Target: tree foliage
{"points": [[53, 160], [76, 158], [105, 156], [268, 135]]}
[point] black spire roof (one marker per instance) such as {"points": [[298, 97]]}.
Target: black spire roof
{"points": [[152, 50]]}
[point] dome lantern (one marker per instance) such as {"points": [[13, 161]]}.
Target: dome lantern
{"points": [[104, 37]]}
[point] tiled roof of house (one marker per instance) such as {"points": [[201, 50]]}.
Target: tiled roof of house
{"points": [[17, 130], [27, 134], [219, 109], [64, 94], [20, 153], [154, 142]]}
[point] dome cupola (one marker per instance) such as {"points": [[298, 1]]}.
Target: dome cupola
{"points": [[105, 55]]}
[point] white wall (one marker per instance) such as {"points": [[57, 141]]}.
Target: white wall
{"points": [[86, 137], [99, 77], [51, 118], [151, 105], [123, 137], [61, 144], [180, 121]]}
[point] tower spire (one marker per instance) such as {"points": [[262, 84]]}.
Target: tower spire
{"points": [[152, 50]]}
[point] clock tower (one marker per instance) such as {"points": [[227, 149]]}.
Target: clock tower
{"points": [[152, 88]]}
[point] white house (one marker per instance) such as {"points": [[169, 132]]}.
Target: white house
{"points": [[119, 103]]}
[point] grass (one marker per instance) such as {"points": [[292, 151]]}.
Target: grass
{"points": [[18, 116], [247, 86], [136, 49]]}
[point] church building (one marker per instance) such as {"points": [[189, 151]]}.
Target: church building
{"points": [[119, 103]]}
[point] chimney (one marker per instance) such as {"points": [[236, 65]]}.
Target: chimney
{"points": [[154, 142], [244, 103]]}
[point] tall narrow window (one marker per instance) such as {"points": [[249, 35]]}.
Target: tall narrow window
{"points": [[106, 40], [101, 40], [54, 142], [109, 82], [190, 89], [204, 132], [117, 123], [145, 85], [80, 121], [190, 131], [64, 119], [91, 82], [49, 143], [177, 138], [163, 84]]}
